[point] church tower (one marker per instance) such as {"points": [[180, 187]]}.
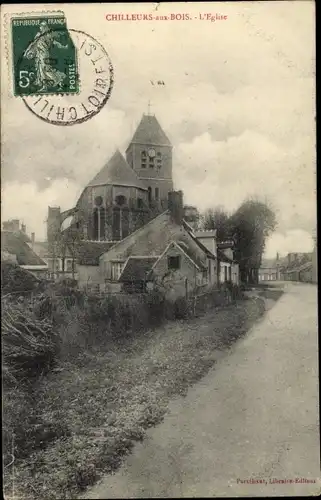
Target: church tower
{"points": [[150, 155]]}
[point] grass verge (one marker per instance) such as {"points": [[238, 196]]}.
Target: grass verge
{"points": [[105, 398]]}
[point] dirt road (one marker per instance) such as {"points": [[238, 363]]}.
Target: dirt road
{"points": [[254, 416]]}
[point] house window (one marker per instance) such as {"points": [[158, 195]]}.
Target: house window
{"points": [[230, 273], [174, 262], [204, 276], [151, 163], [149, 195], [157, 194], [209, 270], [225, 273], [69, 266], [116, 269], [143, 159], [159, 160]]}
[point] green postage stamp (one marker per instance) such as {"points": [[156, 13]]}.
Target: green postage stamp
{"points": [[44, 56]]}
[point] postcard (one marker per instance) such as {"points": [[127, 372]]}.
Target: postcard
{"points": [[159, 250]]}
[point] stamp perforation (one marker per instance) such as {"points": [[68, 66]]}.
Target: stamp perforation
{"points": [[7, 17], [45, 39]]}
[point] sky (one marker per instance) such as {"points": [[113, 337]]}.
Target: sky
{"points": [[238, 105]]}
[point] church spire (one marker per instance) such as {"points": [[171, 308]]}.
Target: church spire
{"points": [[149, 105], [149, 132]]}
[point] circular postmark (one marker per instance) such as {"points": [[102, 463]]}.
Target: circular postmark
{"points": [[89, 82]]}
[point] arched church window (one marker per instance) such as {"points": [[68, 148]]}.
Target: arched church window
{"points": [[149, 195], [143, 159], [120, 200], [159, 160], [98, 201], [157, 193], [99, 224]]}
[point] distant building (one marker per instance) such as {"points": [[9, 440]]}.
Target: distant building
{"points": [[270, 269], [298, 267]]}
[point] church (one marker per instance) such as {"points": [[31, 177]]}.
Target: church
{"points": [[126, 193], [130, 227]]}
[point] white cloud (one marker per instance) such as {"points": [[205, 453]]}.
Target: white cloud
{"points": [[238, 106], [295, 240], [27, 203]]}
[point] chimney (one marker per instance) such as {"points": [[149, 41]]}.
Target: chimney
{"points": [[208, 239], [32, 240], [175, 206], [53, 224]]}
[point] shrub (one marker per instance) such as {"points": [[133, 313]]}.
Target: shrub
{"points": [[68, 283], [14, 279], [181, 308], [29, 345], [234, 290], [155, 301]]}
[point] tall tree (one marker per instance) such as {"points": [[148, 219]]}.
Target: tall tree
{"points": [[251, 224], [217, 218]]}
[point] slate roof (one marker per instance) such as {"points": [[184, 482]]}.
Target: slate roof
{"points": [[222, 257], [223, 245], [15, 245], [209, 254], [150, 132], [297, 263], [191, 254], [88, 252], [40, 248], [137, 269], [299, 267], [117, 172]]}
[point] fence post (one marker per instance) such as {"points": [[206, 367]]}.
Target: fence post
{"points": [[194, 306]]}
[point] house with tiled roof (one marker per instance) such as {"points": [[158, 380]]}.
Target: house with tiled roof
{"points": [[15, 248], [270, 269], [164, 252], [167, 251], [298, 267]]}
